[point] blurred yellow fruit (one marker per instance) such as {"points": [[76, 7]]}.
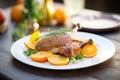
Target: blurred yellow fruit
{"points": [[16, 13], [60, 16]]}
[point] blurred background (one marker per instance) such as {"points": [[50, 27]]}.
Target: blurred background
{"points": [[112, 6], [101, 5], [56, 15]]}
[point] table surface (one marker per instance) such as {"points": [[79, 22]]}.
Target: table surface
{"points": [[16, 70]]}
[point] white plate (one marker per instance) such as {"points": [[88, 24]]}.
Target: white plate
{"points": [[105, 47]]}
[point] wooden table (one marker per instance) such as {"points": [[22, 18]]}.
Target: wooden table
{"points": [[14, 69]]}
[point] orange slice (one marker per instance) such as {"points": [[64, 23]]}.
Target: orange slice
{"points": [[41, 56], [89, 51], [29, 45], [34, 38], [58, 59]]}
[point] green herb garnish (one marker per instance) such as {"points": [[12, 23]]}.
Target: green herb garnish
{"points": [[54, 33], [73, 59], [79, 57], [57, 32], [29, 52]]}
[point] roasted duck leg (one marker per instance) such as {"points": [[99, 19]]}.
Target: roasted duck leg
{"points": [[65, 43], [73, 48], [54, 41]]}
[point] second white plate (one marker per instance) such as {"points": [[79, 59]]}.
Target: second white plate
{"points": [[98, 22]]}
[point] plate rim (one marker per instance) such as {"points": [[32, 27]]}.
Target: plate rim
{"points": [[62, 68]]}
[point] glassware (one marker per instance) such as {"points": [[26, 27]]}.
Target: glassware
{"points": [[47, 11], [74, 7]]}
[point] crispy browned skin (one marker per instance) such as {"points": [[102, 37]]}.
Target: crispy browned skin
{"points": [[53, 42], [71, 50]]}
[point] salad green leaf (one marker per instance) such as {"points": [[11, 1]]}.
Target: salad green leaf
{"points": [[29, 52], [79, 57]]}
